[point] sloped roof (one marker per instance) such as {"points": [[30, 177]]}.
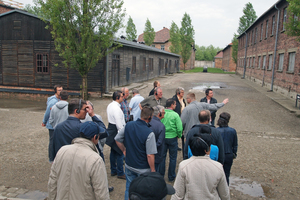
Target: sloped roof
{"points": [[161, 36], [260, 17], [143, 46], [229, 45], [19, 11], [219, 54], [122, 41]]}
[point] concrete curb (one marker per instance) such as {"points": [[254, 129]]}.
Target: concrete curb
{"points": [[285, 102]]}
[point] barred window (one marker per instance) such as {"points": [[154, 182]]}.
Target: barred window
{"points": [[42, 63]]}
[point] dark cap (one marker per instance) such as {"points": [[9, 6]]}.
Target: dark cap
{"points": [[90, 129], [150, 186]]}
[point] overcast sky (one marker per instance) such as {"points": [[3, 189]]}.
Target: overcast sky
{"points": [[214, 21]]}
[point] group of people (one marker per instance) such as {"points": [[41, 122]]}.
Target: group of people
{"points": [[141, 132]]}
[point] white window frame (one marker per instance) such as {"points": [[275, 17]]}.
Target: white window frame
{"points": [[280, 63], [291, 66], [270, 61]]}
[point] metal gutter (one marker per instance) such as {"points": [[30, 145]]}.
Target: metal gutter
{"points": [[276, 40]]}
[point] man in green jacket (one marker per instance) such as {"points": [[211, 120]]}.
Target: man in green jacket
{"points": [[173, 127]]}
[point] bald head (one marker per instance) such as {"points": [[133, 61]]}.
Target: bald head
{"points": [[125, 92], [190, 97]]}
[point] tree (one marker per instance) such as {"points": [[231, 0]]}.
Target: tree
{"points": [[186, 38], [149, 33], [293, 23], [247, 19], [36, 10], [130, 30], [235, 44], [206, 53], [175, 39], [83, 31]]}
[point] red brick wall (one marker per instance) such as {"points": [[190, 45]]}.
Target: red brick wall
{"points": [[266, 46], [227, 63], [218, 63], [4, 8]]}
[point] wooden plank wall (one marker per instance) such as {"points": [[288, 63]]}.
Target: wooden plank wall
{"points": [[41, 80], [25, 63], [1, 63], [10, 62], [59, 73]]}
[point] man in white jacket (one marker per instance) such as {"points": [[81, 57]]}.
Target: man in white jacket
{"points": [[78, 171], [199, 177]]}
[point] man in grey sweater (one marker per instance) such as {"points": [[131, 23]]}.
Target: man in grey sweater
{"points": [[189, 115], [59, 112]]}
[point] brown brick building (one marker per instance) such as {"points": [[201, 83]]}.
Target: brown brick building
{"points": [[227, 62], [267, 55], [5, 8], [161, 41], [218, 60]]}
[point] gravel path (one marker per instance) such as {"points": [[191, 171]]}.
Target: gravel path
{"points": [[267, 162]]}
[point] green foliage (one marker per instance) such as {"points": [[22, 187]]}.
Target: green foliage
{"points": [[149, 33], [130, 30], [82, 30], [186, 38], [206, 53], [247, 19], [209, 70], [235, 44], [175, 39], [36, 9], [293, 23]]}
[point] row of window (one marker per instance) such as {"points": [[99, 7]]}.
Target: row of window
{"points": [[162, 46], [161, 64], [262, 62], [264, 28], [42, 63]]}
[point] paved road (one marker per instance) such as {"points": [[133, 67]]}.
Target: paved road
{"points": [[23, 147]]}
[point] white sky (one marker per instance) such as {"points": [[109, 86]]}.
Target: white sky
{"points": [[214, 21]]}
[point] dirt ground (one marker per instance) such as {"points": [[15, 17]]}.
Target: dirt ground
{"points": [[267, 165]]}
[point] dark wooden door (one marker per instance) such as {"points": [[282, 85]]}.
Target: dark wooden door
{"points": [[115, 71]]}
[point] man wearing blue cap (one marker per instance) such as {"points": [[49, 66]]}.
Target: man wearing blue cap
{"points": [[78, 171]]}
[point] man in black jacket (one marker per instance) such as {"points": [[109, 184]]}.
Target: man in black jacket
{"points": [[209, 99], [204, 117]]}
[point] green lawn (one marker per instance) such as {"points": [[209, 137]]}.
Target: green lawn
{"points": [[209, 70]]}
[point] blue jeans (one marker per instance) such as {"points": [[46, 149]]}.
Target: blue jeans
{"points": [[51, 147], [130, 175], [116, 163], [227, 165], [172, 145]]}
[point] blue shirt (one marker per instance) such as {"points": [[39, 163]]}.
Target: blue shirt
{"points": [[51, 101], [214, 152], [134, 105]]}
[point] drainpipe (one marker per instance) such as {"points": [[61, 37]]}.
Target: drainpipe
{"points": [[273, 71], [245, 60], [106, 87]]}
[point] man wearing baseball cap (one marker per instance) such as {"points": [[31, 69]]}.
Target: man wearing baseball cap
{"points": [[149, 186], [78, 171]]}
